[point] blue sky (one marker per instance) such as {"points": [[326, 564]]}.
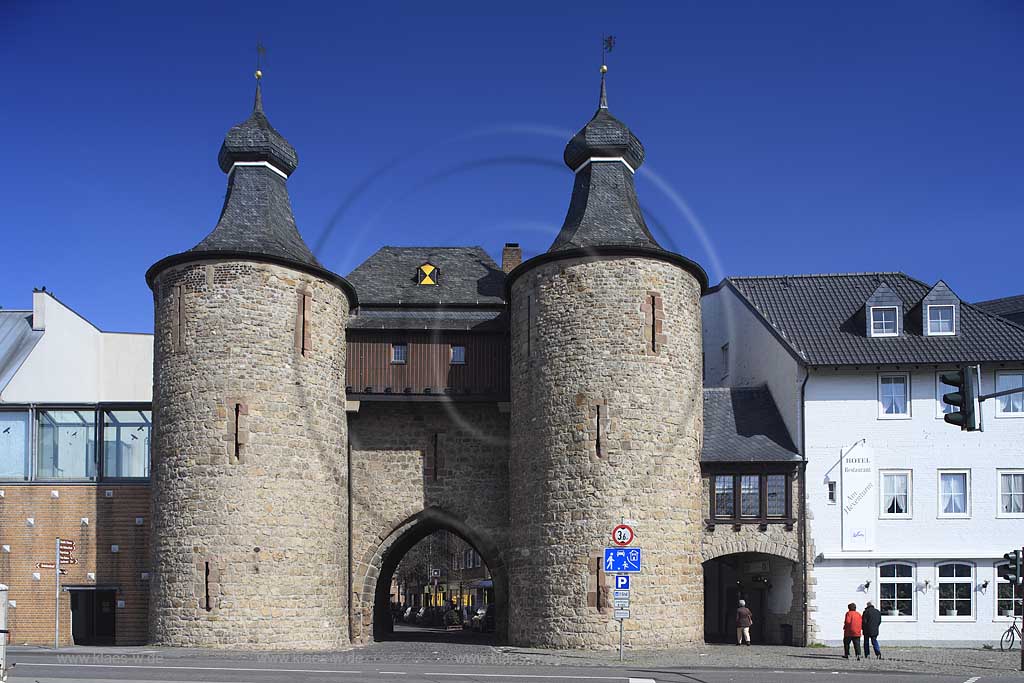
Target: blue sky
{"points": [[783, 137]]}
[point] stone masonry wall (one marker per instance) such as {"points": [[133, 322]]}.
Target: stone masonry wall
{"points": [[606, 423], [249, 459], [411, 456]]}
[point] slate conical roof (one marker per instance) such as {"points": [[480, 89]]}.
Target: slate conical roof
{"points": [[256, 221], [604, 210]]}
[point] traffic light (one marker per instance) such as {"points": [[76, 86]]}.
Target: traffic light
{"points": [[968, 414], [1012, 571]]}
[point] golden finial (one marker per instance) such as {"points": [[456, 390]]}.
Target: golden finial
{"points": [[259, 74], [604, 68]]}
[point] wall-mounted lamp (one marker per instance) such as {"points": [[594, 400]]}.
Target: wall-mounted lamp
{"points": [[867, 584], [984, 585]]}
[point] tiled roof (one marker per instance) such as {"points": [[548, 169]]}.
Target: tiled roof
{"points": [[820, 318], [1009, 307], [744, 425], [429, 319], [17, 339], [466, 276]]}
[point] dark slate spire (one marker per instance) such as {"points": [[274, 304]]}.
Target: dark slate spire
{"points": [[257, 215], [604, 210]]}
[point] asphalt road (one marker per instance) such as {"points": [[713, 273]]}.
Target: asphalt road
{"points": [[58, 668]]}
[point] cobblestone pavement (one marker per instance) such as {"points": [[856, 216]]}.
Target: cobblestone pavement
{"points": [[474, 650]]}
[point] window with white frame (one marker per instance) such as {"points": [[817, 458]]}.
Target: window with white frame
{"points": [[896, 489], [1011, 493], [884, 321], [941, 389], [1008, 596], [896, 589], [832, 493], [894, 395], [399, 353], [458, 354], [1012, 404], [954, 493], [956, 590], [940, 320]]}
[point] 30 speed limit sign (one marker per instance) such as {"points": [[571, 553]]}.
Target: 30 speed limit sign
{"points": [[622, 534]]}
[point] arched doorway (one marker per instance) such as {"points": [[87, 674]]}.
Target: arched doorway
{"points": [[770, 586], [378, 579]]}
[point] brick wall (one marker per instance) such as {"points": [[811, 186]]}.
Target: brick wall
{"points": [[111, 521]]}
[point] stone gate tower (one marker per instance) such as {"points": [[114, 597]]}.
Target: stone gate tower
{"points": [[606, 414], [249, 444]]}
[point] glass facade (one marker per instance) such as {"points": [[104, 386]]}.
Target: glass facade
{"points": [[126, 437], [15, 438], [66, 444]]}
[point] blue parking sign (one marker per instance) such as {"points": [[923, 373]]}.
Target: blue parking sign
{"points": [[622, 560], [622, 582]]}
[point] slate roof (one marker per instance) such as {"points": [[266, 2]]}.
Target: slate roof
{"points": [[17, 339], [256, 140], [603, 210], [467, 276], [429, 319], [1009, 307], [744, 425], [821, 320]]}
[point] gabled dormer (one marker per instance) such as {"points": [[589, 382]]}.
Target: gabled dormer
{"points": [[883, 312], [940, 312]]}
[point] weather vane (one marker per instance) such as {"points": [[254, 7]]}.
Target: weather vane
{"points": [[607, 45], [260, 51]]}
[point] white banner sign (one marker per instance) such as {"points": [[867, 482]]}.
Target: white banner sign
{"points": [[860, 498]]}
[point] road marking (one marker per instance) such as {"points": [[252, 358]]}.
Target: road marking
{"points": [[973, 680], [394, 673], [544, 676]]}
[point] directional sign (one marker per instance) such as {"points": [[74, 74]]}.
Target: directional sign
{"points": [[69, 560], [622, 560], [66, 544], [622, 614], [622, 534], [45, 565], [622, 582]]}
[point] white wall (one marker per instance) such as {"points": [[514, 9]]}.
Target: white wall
{"points": [[842, 407], [755, 356], [76, 362]]}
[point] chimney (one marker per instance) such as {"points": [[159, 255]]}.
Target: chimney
{"points": [[39, 297], [511, 256]]}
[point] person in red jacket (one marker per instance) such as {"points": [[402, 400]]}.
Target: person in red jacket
{"points": [[851, 631]]}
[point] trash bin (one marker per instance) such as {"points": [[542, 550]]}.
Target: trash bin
{"points": [[787, 633]]}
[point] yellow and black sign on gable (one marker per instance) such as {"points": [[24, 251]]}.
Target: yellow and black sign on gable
{"points": [[427, 274]]}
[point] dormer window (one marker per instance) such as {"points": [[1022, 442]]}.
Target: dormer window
{"points": [[884, 321], [941, 320], [427, 274]]}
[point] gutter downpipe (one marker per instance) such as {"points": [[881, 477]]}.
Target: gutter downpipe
{"points": [[348, 484], [803, 496]]}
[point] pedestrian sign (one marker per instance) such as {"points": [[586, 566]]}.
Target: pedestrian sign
{"points": [[622, 560], [622, 582]]}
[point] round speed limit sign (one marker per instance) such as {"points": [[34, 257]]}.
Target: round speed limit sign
{"points": [[622, 534]]}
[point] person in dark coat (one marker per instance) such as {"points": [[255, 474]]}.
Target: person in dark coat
{"points": [[870, 621], [744, 620]]}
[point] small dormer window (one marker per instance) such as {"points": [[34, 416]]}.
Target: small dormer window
{"points": [[427, 274], [884, 321], [941, 320]]}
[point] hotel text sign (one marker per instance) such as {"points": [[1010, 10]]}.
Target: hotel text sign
{"points": [[860, 498]]}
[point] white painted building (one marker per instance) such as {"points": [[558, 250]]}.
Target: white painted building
{"points": [[904, 509], [59, 371]]}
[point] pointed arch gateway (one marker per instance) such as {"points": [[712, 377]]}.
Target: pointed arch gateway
{"points": [[373, 587]]}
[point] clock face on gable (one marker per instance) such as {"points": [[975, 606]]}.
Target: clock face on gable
{"points": [[427, 274]]}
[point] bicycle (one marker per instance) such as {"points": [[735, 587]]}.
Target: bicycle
{"points": [[1006, 642]]}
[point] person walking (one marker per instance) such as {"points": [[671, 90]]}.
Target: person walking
{"points": [[744, 620], [851, 631], [871, 620]]}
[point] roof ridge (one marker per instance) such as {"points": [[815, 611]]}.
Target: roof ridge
{"points": [[802, 275], [464, 246], [1001, 298]]}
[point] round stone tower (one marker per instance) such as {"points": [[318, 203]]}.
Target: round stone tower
{"points": [[606, 415], [249, 442]]}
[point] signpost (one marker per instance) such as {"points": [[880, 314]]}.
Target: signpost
{"points": [[63, 550], [3, 632], [622, 561]]}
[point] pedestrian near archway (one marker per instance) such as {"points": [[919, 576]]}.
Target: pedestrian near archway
{"points": [[744, 620]]}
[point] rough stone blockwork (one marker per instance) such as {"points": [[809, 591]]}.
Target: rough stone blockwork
{"points": [[589, 346], [270, 524], [408, 457]]}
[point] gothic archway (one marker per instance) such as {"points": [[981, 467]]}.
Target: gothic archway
{"points": [[375, 585]]}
